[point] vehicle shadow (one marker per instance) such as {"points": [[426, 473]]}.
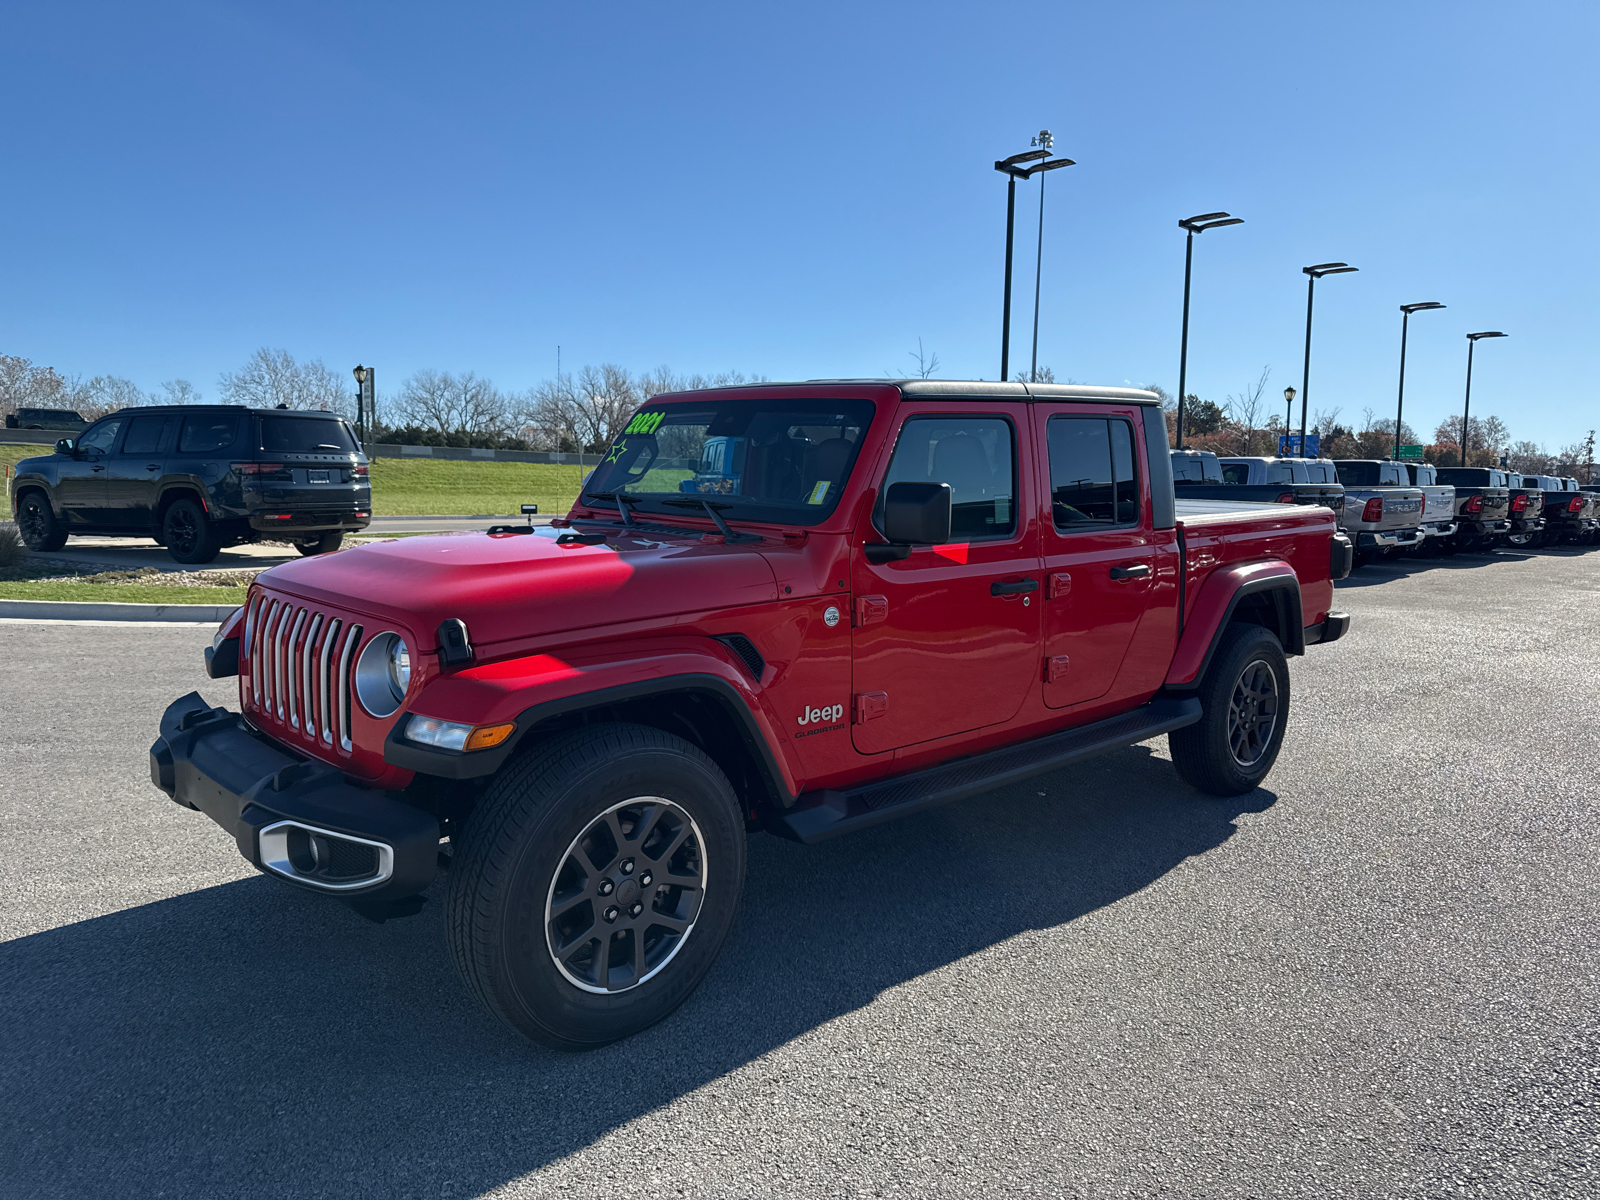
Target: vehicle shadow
{"points": [[249, 1037], [1385, 570]]}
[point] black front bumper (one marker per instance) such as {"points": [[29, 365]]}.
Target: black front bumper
{"points": [[210, 760]]}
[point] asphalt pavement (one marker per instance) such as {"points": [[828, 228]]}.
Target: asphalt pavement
{"points": [[1375, 977]]}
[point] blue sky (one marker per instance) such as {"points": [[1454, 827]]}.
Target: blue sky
{"points": [[806, 190]]}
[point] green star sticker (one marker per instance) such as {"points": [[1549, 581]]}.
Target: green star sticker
{"points": [[616, 451]]}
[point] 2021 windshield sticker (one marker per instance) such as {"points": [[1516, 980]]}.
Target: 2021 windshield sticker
{"points": [[645, 422]]}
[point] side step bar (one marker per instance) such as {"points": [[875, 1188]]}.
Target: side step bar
{"points": [[818, 816]]}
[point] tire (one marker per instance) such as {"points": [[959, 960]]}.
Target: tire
{"points": [[1248, 659], [591, 791], [322, 543], [187, 533], [38, 525]]}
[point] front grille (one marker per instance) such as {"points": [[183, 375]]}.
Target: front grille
{"points": [[299, 661]]}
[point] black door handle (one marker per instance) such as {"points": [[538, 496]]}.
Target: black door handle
{"points": [[97, 470], [1012, 589], [152, 466], [1135, 572]]}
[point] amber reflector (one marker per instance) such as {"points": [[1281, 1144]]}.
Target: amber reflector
{"points": [[485, 736]]}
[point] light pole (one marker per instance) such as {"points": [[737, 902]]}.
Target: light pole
{"points": [[1013, 169], [1288, 416], [1400, 404], [365, 377], [1466, 407], [1313, 274], [1193, 225]]}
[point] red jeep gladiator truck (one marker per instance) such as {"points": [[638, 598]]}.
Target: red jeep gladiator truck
{"points": [[804, 609]]}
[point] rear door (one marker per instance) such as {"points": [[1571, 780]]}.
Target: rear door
{"points": [[947, 639], [1098, 550], [133, 473]]}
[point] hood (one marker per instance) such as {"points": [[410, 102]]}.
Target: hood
{"points": [[514, 585]]}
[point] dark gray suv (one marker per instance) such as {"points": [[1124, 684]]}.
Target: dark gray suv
{"points": [[197, 478]]}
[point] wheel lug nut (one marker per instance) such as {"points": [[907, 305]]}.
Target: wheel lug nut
{"points": [[636, 910], [611, 914], [644, 880], [627, 866], [606, 887]]}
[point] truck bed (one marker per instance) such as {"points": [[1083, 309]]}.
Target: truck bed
{"points": [[1202, 512]]}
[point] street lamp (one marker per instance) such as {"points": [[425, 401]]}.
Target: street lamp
{"points": [[1193, 225], [1023, 166], [1313, 274], [1466, 407], [1288, 415], [1400, 404]]}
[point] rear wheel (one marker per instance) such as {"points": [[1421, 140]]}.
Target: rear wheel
{"points": [[189, 536], [597, 882], [322, 543], [1244, 701], [37, 524]]}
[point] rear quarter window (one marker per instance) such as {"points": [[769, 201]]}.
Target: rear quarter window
{"points": [[208, 433]]}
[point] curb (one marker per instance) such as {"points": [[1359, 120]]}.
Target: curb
{"points": [[86, 610]]}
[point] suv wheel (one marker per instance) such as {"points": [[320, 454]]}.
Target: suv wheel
{"points": [[188, 534], [598, 881], [322, 543], [1244, 699], [38, 525]]}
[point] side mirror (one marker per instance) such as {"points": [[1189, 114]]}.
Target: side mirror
{"points": [[914, 514], [66, 446]]}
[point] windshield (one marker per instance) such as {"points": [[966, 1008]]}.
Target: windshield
{"points": [[779, 461]]}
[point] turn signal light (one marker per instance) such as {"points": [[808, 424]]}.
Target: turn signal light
{"points": [[1374, 509], [485, 736], [279, 470]]}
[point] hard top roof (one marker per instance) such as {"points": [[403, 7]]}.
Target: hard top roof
{"points": [[198, 408], [958, 389]]}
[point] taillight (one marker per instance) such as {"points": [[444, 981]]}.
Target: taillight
{"points": [[1474, 504], [272, 470], [1575, 504], [360, 470], [1285, 498], [1519, 503], [1374, 509]]}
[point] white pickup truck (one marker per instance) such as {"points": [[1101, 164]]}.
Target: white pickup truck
{"points": [[1438, 505], [1382, 510]]}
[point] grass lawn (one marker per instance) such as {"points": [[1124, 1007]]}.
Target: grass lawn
{"points": [[121, 593], [408, 487]]}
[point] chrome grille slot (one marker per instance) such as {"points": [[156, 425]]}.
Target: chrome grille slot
{"points": [[252, 626], [308, 662], [322, 679], [292, 667], [267, 627], [352, 639], [278, 650]]}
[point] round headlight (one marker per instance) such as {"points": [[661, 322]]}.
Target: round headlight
{"points": [[383, 674]]}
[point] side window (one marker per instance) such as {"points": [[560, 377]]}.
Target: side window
{"points": [[101, 438], [976, 456], [1092, 478], [206, 434], [1235, 472], [144, 435]]}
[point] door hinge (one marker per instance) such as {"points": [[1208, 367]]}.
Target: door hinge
{"points": [[1055, 668], [870, 706], [869, 610], [1060, 585]]}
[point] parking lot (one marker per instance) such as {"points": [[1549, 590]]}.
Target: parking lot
{"points": [[1375, 978]]}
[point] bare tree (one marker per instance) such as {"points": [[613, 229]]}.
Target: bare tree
{"points": [[273, 377], [927, 364], [23, 385], [1246, 410], [180, 391], [449, 403]]}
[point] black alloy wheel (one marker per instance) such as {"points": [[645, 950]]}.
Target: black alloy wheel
{"points": [[320, 543], [38, 525], [188, 535], [1244, 713]]}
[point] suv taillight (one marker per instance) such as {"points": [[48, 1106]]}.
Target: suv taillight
{"points": [[360, 470], [1374, 509], [1474, 504], [1519, 503], [272, 470]]}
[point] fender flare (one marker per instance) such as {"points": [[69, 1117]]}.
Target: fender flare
{"points": [[1213, 610], [450, 764]]}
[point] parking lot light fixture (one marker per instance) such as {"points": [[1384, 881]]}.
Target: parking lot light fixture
{"points": [[1288, 415], [1466, 407], [1400, 404], [1193, 225], [1021, 166], [1314, 273]]}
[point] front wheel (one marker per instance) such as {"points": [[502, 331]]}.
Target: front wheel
{"points": [[598, 881], [1244, 701], [37, 524], [322, 543]]}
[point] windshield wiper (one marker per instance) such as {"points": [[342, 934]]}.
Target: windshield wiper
{"points": [[623, 500], [712, 509]]}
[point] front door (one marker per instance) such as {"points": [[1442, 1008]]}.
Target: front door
{"points": [[947, 640], [81, 480], [133, 473], [1099, 555]]}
